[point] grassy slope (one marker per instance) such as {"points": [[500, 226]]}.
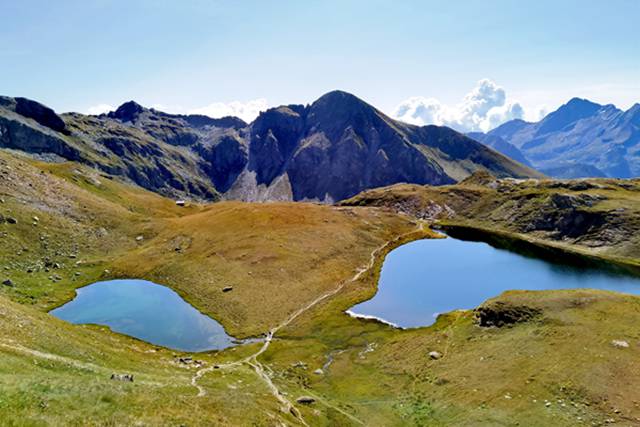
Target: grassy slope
{"points": [[54, 373]]}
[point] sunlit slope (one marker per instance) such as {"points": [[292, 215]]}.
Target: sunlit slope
{"points": [[297, 267]]}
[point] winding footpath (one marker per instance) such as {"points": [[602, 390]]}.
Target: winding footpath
{"points": [[252, 360]]}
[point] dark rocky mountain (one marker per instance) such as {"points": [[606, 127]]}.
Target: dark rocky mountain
{"points": [[326, 151], [579, 139], [340, 145]]}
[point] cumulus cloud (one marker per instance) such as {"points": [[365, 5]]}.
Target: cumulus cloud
{"points": [[100, 109], [247, 111], [482, 109]]}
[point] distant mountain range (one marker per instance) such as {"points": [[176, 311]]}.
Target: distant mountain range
{"points": [[327, 151], [579, 139]]}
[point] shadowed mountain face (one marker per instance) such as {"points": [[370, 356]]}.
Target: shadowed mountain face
{"points": [[327, 151], [579, 139]]}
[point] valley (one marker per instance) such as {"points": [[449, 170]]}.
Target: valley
{"points": [[294, 269]]}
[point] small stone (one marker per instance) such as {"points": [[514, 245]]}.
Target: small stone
{"points": [[318, 371], [77, 273], [435, 355], [122, 377], [306, 400], [139, 238], [12, 220], [186, 360], [227, 289], [547, 404], [8, 282], [620, 344], [35, 219]]}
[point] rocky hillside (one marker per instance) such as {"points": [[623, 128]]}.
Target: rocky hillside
{"points": [[580, 139], [597, 217], [327, 151], [155, 158]]}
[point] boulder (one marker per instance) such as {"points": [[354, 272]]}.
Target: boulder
{"points": [[11, 220], [8, 282]]}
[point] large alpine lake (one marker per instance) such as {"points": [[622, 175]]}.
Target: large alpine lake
{"points": [[147, 311], [424, 278]]}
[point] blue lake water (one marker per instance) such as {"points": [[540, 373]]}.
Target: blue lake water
{"points": [[147, 311], [421, 279]]}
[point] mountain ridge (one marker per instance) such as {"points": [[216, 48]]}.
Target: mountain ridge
{"points": [[326, 151], [579, 139]]}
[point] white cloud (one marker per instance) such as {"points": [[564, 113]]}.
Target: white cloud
{"points": [[247, 111], [537, 113], [100, 109], [482, 109]]}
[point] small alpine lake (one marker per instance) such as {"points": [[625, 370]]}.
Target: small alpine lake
{"points": [[147, 311], [424, 278]]}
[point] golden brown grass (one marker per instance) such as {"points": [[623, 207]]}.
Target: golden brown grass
{"points": [[278, 257]]}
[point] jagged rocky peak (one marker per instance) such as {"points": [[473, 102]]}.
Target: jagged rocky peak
{"points": [[127, 112]]}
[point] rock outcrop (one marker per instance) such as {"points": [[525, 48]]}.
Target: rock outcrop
{"points": [[499, 314]]}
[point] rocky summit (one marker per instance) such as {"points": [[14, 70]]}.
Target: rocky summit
{"points": [[327, 151]]}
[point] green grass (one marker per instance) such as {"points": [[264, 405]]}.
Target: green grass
{"points": [[279, 257]]}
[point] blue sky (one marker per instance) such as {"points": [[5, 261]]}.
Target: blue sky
{"points": [[186, 55]]}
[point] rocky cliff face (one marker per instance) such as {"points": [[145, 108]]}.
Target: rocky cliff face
{"points": [[327, 151]]}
